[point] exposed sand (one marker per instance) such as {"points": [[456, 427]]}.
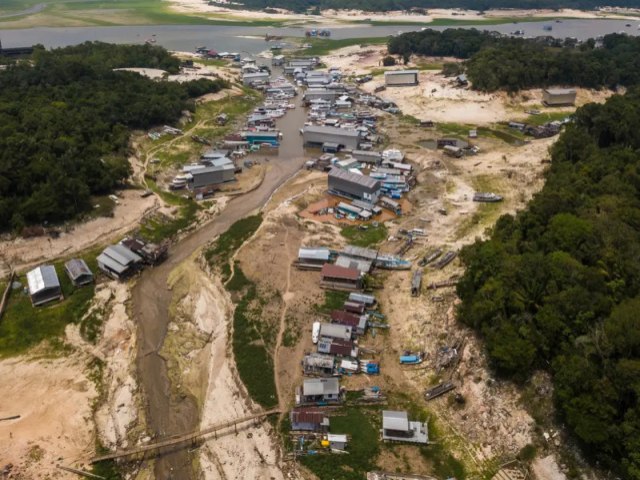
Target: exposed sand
{"points": [[333, 16], [23, 252], [547, 469], [53, 398]]}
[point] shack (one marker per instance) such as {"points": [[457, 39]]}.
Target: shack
{"points": [[397, 427], [367, 156], [353, 186], [277, 60], [358, 323], [340, 348], [340, 332], [555, 97], [78, 272], [310, 258], [118, 261], [318, 364], [363, 266], [317, 135], [43, 284], [249, 79], [309, 420], [396, 78], [340, 278], [319, 390], [337, 441]]}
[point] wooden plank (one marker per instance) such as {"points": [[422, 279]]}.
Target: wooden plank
{"points": [[82, 473]]}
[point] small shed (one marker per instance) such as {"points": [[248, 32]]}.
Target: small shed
{"points": [[78, 272], [337, 331], [309, 420], [555, 97], [337, 441], [340, 278], [43, 285]]}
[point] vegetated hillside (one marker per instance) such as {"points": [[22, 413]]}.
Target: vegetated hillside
{"points": [[65, 120], [496, 62], [557, 287], [387, 5]]}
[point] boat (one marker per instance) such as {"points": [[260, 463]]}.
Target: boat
{"points": [[547, 28], [430, 257], [518, 32], [315, 333], [486, 197]]}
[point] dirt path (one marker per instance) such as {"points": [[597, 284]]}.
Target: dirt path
{"points": [[286, 296], [170, 412]]}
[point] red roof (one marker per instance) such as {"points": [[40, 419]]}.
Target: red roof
{"points": [[355, 307], [307, 415], [334, 271], [345, 318]]}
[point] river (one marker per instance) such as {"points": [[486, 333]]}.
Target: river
{"points": [[168, 412], [231, 38]]}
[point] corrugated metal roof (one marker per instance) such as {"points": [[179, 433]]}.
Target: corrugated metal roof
{"points": [[395, 420], [363, 298], [320, 386], [42, 278], [560, 91], [363, 180], [335, 331], [311, 253], [325, 130], [302, 415], [338, 438], [123, 251], [360, 252], [361, 265], [76, 267], [400, 72], [318, 360], [111, 264], [334, 271]]}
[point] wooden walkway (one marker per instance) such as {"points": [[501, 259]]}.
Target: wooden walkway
{"points": [[178, 439]]}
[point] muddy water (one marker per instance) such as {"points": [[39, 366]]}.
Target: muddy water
{"points": [[169, 413]]}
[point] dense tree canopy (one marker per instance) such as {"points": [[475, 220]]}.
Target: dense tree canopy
{"points": [[494, 62], [557, 287], [386, 5], [65, 120]]}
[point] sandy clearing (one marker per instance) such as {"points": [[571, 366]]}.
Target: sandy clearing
{"points": [[53, 398], [24, 252], [547, 469]]}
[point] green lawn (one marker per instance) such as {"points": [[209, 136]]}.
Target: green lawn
{"points": [[323, 46], [364, 235], [23, 326], [333, 300], [361, 425]]}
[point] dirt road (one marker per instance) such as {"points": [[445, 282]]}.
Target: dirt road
{"points": [[168, 411]]}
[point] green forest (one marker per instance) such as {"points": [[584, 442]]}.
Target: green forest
{"points": [[65, 122], [557, 287], [496, 62], [387, 5]]}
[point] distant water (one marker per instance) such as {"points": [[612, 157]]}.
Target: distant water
{"points": [[230, 38]]}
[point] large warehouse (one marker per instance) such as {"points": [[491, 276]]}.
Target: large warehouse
{"points": [[354, 186], [316, 136], [203, 177], [555, 97], [396, 78]]}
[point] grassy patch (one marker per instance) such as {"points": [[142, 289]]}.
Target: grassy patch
{"points": [[226, 244], [454, 129], [323, 46], [333, 300], [364, 237], [429, 65], [254, 363], [238, 281], [507, 135], [546, 117], [361, 425], [24, 326], [451, 22]]}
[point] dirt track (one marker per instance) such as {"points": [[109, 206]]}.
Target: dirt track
{"points": [[169, 412]]}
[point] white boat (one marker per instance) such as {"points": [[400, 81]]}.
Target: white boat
{"points": [[315, 332]]}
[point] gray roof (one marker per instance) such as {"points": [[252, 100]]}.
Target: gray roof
{"points": [[216, 168], [42, 278], [319, 360], [363, 180], [363, 266], [322, 129], [123, 252], [76, 267], [334, 330], [400, 72], [310, 253], [395, 420], [256, 75], [360, 252], [111, 264], [320, 386], [560, 91], [362, 298]]}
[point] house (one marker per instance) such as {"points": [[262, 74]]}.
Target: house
{"points": [[397, 427], [319, 390], [360, 252], [310, 258], [368, 300], [43, 285], [332, 330], [452, 151], [358, 323], [309, 420], [396, 78], [151, 253], [340, 278], [257, 138], [318, 364], [118, 261], [340, 348], [363, 266], [353, 186], [337, 441], [249, 79], [78, 272], [554, 97], [327, 94], [277, 60], [317, 135]]}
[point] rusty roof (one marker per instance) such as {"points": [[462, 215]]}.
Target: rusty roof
{"points": [[334, 271]]}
